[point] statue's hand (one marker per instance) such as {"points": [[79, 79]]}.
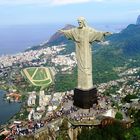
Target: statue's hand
{"points": [[108, 33], [61, 31]]}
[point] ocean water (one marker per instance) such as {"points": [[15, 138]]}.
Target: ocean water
{"points": [[18, 38], [7, 110]]}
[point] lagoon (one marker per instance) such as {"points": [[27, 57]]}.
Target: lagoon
{"points": [[7, 110]]}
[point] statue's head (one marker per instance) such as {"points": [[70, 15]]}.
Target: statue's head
{"points": [[82, 22]]}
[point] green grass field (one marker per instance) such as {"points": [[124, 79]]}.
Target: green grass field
{"points": [[38, 76], [31, 70], [41, 83]]}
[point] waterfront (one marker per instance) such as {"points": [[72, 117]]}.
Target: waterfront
{"points": [[7, 110], [17, 38]]}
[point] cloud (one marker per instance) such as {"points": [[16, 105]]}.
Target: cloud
{"points": [[136, 11], [57, 2], [22, 2], [45, 2], [64, 2]]}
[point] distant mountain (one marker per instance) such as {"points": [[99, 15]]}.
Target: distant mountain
{"points": [[123, 51], [58, 38], [122, 47], [138, 20], [128, 40]]}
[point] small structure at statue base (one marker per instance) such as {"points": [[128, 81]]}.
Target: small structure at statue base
{"points": [[85, 98]]}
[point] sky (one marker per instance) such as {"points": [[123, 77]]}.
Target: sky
{"points": [[24, 12]]}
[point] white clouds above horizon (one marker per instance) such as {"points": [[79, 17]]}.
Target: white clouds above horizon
{"points": [[64, 2], [55, 2], [45, 2], [21, 2], [64, 11]]}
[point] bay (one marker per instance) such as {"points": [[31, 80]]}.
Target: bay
{"points": [[7, 110], [17, 38]]}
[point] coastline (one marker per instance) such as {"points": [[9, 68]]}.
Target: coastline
{"points": [[8, 110]]}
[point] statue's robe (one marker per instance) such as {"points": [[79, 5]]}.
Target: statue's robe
{"points": [[83, 37]]}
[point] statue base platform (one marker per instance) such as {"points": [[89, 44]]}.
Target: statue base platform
{"points": [[85, 98]]}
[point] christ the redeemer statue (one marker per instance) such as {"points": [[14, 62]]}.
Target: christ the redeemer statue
{"points": [[84, 36]]}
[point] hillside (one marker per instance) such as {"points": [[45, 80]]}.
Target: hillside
{"points": [[138, 20], [58, 38], [121, 53], [128, 40]]}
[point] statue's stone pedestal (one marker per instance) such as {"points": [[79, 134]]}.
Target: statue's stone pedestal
{"points": [[85, 98]]}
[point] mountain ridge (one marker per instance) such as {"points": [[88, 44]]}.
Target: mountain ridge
{"points": [[138, 20], [127, 41], [58, 37]]}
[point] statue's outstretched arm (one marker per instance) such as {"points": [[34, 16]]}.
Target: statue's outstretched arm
{"points": [[108, 33], [68, 33], [61, 31]]}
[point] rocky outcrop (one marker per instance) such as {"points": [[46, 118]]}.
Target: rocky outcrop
{"points": [[58, 38], [138, 20]]}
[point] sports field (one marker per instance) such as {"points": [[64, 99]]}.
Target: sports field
{"points": [[38, 76]]}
